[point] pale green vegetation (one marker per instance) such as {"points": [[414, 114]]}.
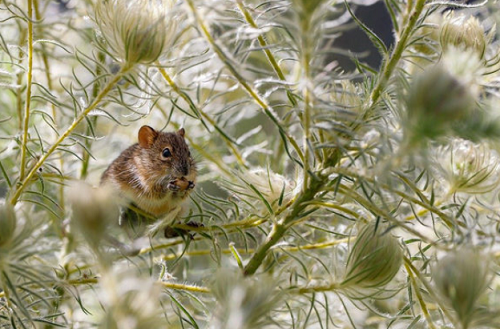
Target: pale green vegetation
{"points": [[328, 198]]}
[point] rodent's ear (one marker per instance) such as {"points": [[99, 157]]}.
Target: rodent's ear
{"points": [[181, 132], [147, 136]]}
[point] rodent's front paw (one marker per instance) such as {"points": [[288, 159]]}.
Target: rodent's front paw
{"points": [[172, 186]]}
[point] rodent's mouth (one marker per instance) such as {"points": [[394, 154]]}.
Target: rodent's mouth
{"points": [[180, 185]]}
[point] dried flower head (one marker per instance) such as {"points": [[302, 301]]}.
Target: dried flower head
{"points": [[7, 224], [137, 31], [465, 33], [373, 261], [461, 277], [468, 167], [437, 102], [243, 303], [130, 301], [93, 210]]}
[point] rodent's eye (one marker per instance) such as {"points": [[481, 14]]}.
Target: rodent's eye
{"points": [[166, 153]]}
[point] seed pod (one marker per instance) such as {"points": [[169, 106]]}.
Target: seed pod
{"points": [[374, 259], [436, 102], [137, 31], [461, 277]]}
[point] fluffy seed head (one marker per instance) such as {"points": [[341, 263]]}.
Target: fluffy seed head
{"points": [[436, 101], [374, 259], [463, 32], [461, 277], [137, 31], [243, 303], [93, 210], [468, 167]]}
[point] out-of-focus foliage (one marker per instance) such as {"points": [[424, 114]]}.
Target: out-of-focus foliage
{"points": [[325, 198]]}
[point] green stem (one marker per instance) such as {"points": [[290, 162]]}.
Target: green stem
{"points": [[272, 238], [265, 49], [69, 130], [430, 290], [24, 141], [101, 57], [393, 61], [308, 290], [279, 229], [421, 301]]}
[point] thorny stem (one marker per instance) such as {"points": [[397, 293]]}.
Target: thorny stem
{"points": [[29, 81], [69, 130], [19, 97], [185, 287]]}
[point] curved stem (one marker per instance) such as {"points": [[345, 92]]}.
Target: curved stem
{"points": [[29, 82], [24, 183], [279, 229], [265, 49]]}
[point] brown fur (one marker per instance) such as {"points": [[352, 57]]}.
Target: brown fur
{"points": [[142, 175]]}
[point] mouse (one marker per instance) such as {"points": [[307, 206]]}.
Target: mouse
{"points": [[156, 174]]}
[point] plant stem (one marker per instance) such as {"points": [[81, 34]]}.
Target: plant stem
{"points": [[265, 49], [421, 301], [279, 229], [101, 57], [69, 130], [185, 287], [47, 68], [29, 81], [391, 63]]}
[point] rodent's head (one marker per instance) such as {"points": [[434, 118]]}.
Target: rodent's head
{"points": [[167, 155]]}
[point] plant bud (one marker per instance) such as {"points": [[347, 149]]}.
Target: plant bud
{"points": [[243, 303], [436, 102], [93, 210], [374, 259], [465, 33], [137, 31], [461, 277], [468, 167], [7, 224]]}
